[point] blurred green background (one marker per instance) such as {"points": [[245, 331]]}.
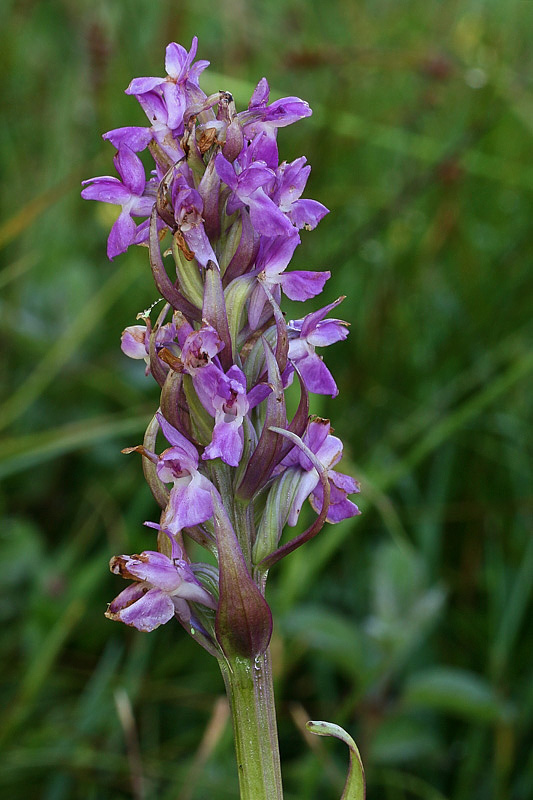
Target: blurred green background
{"points": [[411, 625]]}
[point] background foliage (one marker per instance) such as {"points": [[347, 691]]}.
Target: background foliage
{"points": [[411, 625]]}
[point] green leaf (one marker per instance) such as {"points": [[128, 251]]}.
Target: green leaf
{"points": [[355, 787], [457, 692], [402, 739], [337, 638]]}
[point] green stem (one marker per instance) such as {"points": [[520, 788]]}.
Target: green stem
{"points": [[250, 692], [244, 528]]}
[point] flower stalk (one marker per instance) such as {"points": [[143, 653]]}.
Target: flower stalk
{"points": [[250, 692], [221, 217]]}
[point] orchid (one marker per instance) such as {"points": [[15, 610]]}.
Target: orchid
{"points": [[262, 117], [274, 256], [222, 219], [135, 197], [224, 396], [180, 88], [190, 500], [200, 348], [188, 210], [308, 333], [328, 450], [291, 180], [163, 589], [135, 340], [250, 187]]}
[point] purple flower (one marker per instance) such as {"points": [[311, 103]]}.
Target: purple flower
{"points": [[219, 203], [154, 106], [224, 396], [328, 450], [262, 117], [178, 90], [135, 340], [248, 189], [273, 197], [273, 257], [200, 348], [291, 180], [188, 210], [262, 148], [131, 193], [190, 502], [163, 589], [310, 332]]}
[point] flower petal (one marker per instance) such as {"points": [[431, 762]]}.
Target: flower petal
{"points": [[176, 58], [302, 285], [308, 324], [189, 504], [129, 595], [316, 376], [133, 341], [307, 213], [252, 178], [260, 94], [340, 507], [129, 167], [134, 137], [307, 484], [143, 85], [266, 217], [176, 102], [149, 612], [155, 568], [191, 588], [227, 442], [199, 244], [121, 235], [344, 482], [106, 190], [177, 439], [225, 171], [328, 332]]}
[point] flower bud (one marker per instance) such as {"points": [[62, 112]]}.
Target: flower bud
{"points": [[243, 619], [274, 517], [234, 141], [187, 271]]}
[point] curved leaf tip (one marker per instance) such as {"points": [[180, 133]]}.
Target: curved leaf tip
{"points": [[355, 787]]}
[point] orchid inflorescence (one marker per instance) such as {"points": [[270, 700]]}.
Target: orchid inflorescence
{"points": [[235, 470]]}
